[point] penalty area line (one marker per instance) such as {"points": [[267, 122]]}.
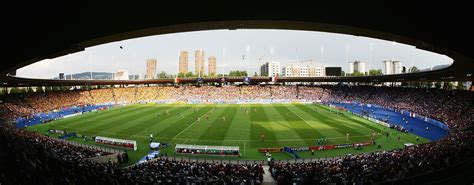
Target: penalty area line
{"points": [[190, 125]]}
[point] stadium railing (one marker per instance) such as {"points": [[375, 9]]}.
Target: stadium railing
{"points": [[243, 161], [220, 161]]}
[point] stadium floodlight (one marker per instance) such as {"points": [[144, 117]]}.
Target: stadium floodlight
{"points": [[371, 48], [271, 52], [248, 60], [89, 62], [223, 66], [322, 55]]}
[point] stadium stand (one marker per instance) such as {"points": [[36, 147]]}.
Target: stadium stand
{"points": [[32, 158]]}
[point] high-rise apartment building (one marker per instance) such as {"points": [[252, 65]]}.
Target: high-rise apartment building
{"points": [[356, 66], [150, 68], [303, 71], [199, 62], [391, 67], [211, 68], [183, 62], [270, 69]]}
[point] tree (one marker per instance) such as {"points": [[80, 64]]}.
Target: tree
{"points": [[357, 73], [255, 74], [163, 74], [190, 74], [186, 75], [373, 72], [343, 73], [237, 73]]}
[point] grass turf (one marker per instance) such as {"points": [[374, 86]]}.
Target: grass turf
{"points": [[231, 125]]}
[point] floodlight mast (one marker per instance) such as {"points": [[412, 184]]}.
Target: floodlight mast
{"points": [[89, 61], [223, 67], [248, 60]]}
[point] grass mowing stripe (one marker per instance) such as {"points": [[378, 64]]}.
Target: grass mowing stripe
{"points": [[240, 125], [333, 122], [240, 130], [176, 128], [278, 132], [203, 140], [219, 127], [317, 124], [98, 118], [279, 125], [168, 121], [200, 127], [284, 131], [193, 123], [358, 121], [346, 117], [299, 125], [78, 121], [146, 121], [329, 122], [122, 119], [259, 124], [289, 107]]}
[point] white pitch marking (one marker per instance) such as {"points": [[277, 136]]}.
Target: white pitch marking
{"points": [[190, 125]]}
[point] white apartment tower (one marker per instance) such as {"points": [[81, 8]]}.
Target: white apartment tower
{"points": [[391, 67], [303, 71], [270, 69], [356, 66]]}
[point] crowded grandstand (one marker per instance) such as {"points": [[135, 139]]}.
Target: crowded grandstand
{"points": [[244, 93], [39, 157]]}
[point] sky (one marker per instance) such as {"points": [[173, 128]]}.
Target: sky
{"points": [[242, 49]]}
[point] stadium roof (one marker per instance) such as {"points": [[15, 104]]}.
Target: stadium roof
{"points": [[50, 29]]}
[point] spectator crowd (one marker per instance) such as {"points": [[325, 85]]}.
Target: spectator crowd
{"points": [[28, 158], [434, 103]]}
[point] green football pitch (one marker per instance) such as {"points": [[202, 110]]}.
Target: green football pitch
{"points": [[231, 125]]}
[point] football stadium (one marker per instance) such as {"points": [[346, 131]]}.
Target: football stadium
{"points": [[284, 96]]}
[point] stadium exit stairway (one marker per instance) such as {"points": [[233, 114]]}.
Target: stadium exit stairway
{"points": [[267, 177]]}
